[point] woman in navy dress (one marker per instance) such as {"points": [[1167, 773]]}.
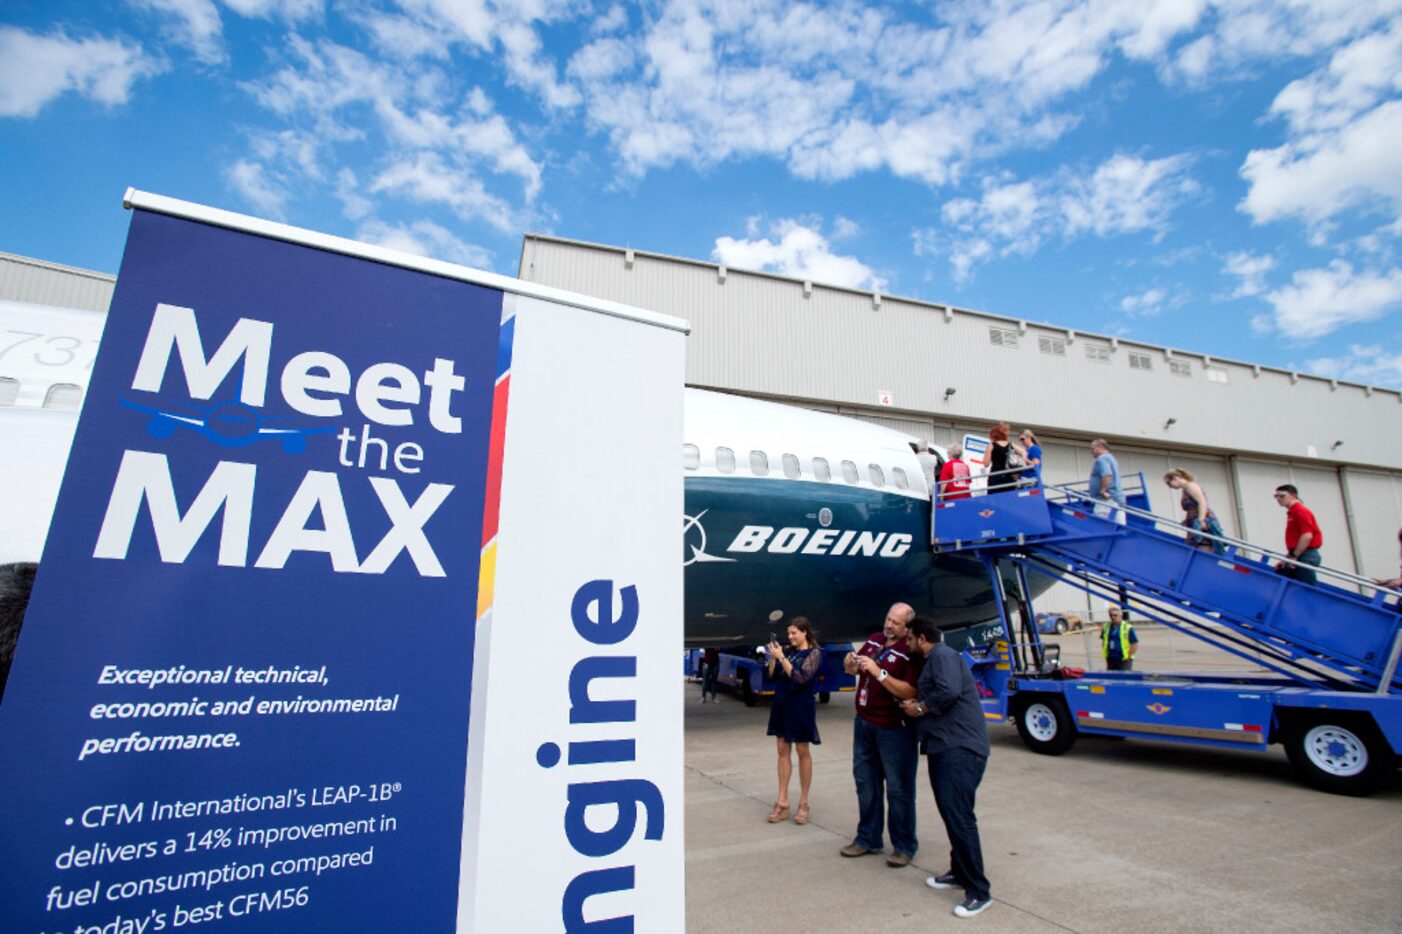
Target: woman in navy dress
{"points": [[793, 720]]}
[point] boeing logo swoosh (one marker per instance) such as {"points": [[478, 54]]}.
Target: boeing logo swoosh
{"points": [[227, 424], [696, 541]]}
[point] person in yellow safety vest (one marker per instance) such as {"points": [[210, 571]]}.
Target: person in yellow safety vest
{"points": [[1118, 642]]}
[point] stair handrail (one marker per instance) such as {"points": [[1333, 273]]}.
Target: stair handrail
{"points": [[1068, 489]]}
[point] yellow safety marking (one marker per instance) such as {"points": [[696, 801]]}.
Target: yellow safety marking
{"points": [[1164, 691], [1098, 689], [992, 716], [1003, 667]]}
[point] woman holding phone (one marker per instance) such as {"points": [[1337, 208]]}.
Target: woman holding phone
{"points": [[793, 720]]}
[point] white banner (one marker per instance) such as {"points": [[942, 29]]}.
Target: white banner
{"points": [[574, 783]]}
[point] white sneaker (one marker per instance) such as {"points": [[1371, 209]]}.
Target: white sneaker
{"points": [[971, 906]]}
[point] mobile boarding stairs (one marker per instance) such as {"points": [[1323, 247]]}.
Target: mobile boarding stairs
{"points": [[1332, 696]]}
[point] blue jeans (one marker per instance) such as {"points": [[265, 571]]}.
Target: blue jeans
{"points": [[709, 676], [885, 756], [954, 777], [1304, 575]]}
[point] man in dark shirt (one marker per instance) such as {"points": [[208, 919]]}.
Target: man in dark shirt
{"points": [[1302, 536], [950, 720], [883, 749]]}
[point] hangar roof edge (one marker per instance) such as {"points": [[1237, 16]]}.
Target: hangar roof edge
{"points": [[991, 316]]}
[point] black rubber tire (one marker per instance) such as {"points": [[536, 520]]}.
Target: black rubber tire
{"points": [[1045, 724], [824, 697], [747, 692], [1336, 752], [1061, 626]]}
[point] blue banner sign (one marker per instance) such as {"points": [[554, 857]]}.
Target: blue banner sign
{"points": [[241, 696]]}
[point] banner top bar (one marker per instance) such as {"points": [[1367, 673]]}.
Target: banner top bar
{"points": [[160, 204]]}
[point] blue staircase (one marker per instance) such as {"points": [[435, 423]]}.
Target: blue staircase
{"points": [[1320, 635]]}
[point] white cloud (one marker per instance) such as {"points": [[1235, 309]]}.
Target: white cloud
{"points": [[1251, 270], [424, 238], [613, 20], [1343, 124], [194, 24], [290, 10], [799, 251], [1123, 195], [354, 205], [1324, 174], [844, 228], [1319, 301], [1370, 365], [436, 145], [1144, 305], [425, 178], [36, 69], [431, 28], [1127, 194], [267, 194]]}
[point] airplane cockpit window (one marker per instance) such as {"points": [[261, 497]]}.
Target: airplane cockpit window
{"points": [[849, 471], [899, 479], [790, 466], [759, 463], [725, 460], [821, 470], [691, 456], [9, 390], [66, 397], [878, 479]]}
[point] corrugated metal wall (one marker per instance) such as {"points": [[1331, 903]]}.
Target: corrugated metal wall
{"points": [[773, 336], [28, 280], [838, 349]]}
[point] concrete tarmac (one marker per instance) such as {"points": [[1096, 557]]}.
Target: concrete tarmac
{"points": [[1137, 834]]}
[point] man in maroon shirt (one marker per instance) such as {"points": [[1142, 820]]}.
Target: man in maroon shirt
{"points": [[1302, 536], [884, 750]]}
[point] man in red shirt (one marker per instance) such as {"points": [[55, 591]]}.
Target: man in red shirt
{"points": [[884, 750], [1302, 536], [954, 476]]}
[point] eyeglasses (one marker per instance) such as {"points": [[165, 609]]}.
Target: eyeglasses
{"points": [[1278, 495]]}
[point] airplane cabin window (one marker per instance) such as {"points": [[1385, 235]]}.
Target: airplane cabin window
{"points": [[725, 460], [9, 390], [691, 456], [878, 479], [821, 470], [899, 479], [849, 471], [759, 463], [66, 397], [790, 466]]}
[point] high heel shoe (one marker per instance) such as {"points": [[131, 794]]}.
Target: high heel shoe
{"points": [[780, 813], [801, 815]]}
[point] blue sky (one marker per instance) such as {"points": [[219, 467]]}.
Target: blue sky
{"points": [[1219, 177]]}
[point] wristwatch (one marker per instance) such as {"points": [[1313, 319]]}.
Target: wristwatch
{"points": [[882, 675]]}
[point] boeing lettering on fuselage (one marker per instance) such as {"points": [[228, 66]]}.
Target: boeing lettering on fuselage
{"points": [[833, 542]]}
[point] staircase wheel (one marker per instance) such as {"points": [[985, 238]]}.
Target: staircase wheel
{"points": [[1045, 724], [1339, 754]]}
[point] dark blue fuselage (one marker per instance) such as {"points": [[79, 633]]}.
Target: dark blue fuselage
{"points": [[759, 551]]}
